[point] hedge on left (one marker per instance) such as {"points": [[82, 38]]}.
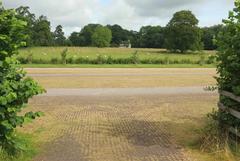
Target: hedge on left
{"points": [[15, 88]]}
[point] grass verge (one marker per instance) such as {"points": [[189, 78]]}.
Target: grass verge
{"points": [[27, 155]]}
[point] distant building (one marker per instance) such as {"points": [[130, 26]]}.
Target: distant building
{"points": [[125, 44]]}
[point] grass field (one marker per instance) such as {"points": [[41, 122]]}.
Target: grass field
{"points": [[47, 54]]}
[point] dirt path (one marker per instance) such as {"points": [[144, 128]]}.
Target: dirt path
{"points": [[120, 114], [122, 78], [124, 91], [118, 75]]}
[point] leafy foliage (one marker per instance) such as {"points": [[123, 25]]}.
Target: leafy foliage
{"points": [[118, 35], [102, 37], [39, 34], [86, 34], [182, 32], [59, 38], [209, 35], [229, 63], [42, 35], [64, 56], [24, 14], [15, 87], [151, 37]]}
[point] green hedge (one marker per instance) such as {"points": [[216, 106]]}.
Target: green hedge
{"points": [[229, 64], [134, 59]]}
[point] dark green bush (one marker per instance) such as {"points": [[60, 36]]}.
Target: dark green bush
{"points": [[54, 61], [22, 60], [30, 58], [70, 60], [134, 58], [228, 66], [64, 56], [15, 87]]}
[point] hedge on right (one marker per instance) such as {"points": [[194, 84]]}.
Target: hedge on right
{"points": [[228, 67]]}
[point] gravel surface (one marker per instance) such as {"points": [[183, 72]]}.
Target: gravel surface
{"points": [[124, 91]]}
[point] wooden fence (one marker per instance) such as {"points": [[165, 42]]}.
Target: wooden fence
{"points": [[231, 111]]}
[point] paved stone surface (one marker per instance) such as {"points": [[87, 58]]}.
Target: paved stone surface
{"points": [[113, 128]]}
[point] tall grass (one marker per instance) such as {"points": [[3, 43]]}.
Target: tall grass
{"points": [[122, 56], [75, 52]]}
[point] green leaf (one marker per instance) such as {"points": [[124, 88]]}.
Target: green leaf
{"points": [[6, 124], [28, 120], [3, 101]]}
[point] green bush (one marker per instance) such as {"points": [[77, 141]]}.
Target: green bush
{"points": [[22, 60], [54, 61], [228, 66], [64, 56], [134, 58], [30, 58], [15, 87]]}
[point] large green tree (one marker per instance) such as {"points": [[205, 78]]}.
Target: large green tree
{"points": [[59, 38], [42, 35], [102, 37], [208, 36], [86, 34], [74, 39], [15, 87], [228, 68], [182, 32], [118, 35], [151, 37], [24, 14]]}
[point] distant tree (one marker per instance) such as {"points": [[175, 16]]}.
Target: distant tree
{"points": [[86, 34], [209, 34], [151, 37], [118, 35], [102, 37], [59, 38], [24, 14], [42, 35], [182, 32], [74, 38], [134, 38]]}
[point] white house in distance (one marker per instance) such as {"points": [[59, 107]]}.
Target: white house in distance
{"points": [[125, 44]]}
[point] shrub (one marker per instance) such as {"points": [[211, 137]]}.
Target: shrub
{"points": [[30, 58], [211, 59], [134, 58], [22, 60], [110, 60], [202, 60], [64, 56], [228, 65], [15, 87], [70, 60], [99, 60], [54, 61]]}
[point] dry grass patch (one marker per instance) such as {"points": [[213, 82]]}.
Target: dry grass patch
{"points": [[117, 78], [122, 127]]}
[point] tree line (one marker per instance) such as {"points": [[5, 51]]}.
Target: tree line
{"points": [[180, 34]]}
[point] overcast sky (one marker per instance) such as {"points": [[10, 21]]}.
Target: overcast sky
{"points": [[130, 14]]}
